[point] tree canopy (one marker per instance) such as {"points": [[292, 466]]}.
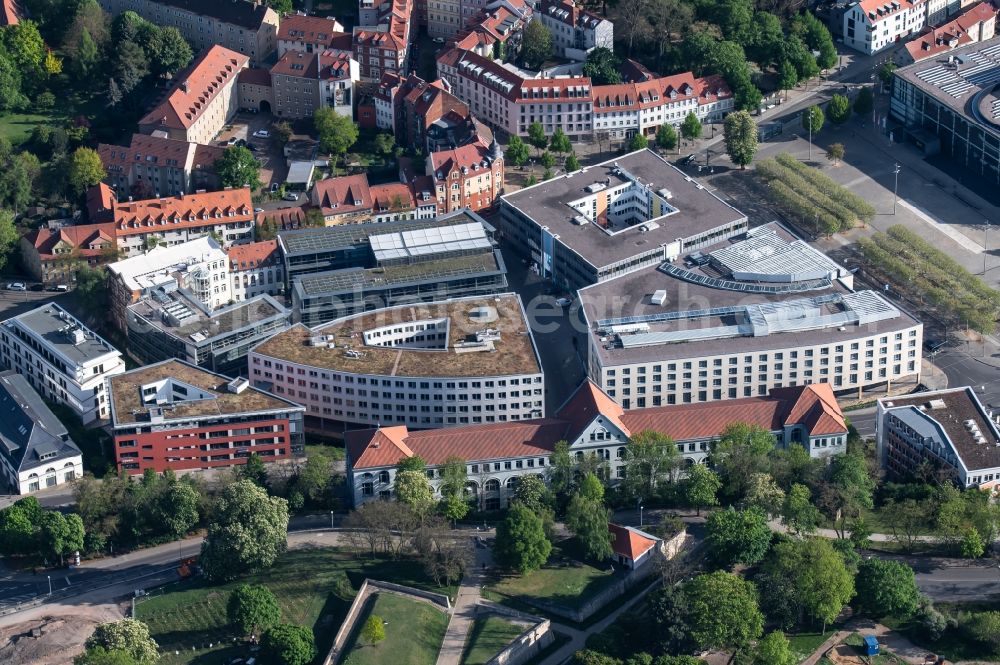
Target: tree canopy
{"points": [[886, 589], [336, 132], [248, 532], [740, 137], [723, 611], [737, 536], [521, 544], [126, 635], [252, 608], [804, 580], [536, 45], [238, 168], [288, 644], [602, 66]]}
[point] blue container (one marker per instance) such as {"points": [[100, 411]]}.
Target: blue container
{"points": [[871, 645]]}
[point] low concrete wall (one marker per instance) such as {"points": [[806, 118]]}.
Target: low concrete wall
{"points": [[525, 646], [368, 589]]}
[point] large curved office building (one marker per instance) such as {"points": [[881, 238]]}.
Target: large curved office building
{"points": [[427, 365]]}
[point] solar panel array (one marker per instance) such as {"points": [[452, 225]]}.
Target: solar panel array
{"points": [[429, 241], [982, 73], [746, 287], [329, 238], [769, 257]]}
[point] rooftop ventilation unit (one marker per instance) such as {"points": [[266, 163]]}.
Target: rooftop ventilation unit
{"points": [[237, 385]]}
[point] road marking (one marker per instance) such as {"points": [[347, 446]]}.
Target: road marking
{"points": [[856, 181], [949, 231]]}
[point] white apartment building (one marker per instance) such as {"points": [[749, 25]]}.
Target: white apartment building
{"points": [[199, 266], [429, 365], [204, 97], [35, 449], [175, 220], [948, 429], [62, 359], [871, 26], [498, 455], [298, 32], [256, 268], [575, 31]]}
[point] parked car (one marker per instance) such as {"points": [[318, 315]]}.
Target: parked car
{"points": [[16, 286], [291, 196], [564, 302], [439, 40], [37, 287], [274, 187], [262, 134]]}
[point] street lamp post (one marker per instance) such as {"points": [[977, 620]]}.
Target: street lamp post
{"points": [[640, 515], [895, 187], [331, 519], [50, 584], [809, 111], [986, 246]]}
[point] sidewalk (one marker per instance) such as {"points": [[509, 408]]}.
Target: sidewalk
{"points": [[463, 614]]}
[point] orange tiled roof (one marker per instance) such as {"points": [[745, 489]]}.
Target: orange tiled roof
{"points": [[251, 255], [79, 237], [963, 30], [195, 90], [349, 193], [255, 76], [629, 542], [384, 197], [151, 215], [307, 29], [879, 10], [284, 218], [472, 156], [101, 202], [10, 12], [588, 402]]}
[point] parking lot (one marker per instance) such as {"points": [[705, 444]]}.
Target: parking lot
{"points": [[266, 150]]}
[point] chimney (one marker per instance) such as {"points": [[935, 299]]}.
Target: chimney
{"points": [[184, 87]]}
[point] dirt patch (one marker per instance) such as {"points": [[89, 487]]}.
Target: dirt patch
{"points": [[50, 640], [845, 655]]}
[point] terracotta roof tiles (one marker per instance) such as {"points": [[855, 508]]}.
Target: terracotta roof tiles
{"points": [[629, 542]]}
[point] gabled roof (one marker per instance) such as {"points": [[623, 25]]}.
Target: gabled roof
{"points": [[255, 76], [384, 447], [79, 237], [308, 29], [10, 12], [344, 194], [196, 88], [251, 255], [815, 407], [959, 32], [228, 206], [587, 402], [471, 157], [630, 542], [30, 434], [283, 218], [101, 202], [391, 195]]}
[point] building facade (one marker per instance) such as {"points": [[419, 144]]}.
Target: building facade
{"points": [[442, 364], [36, 451], [200, 267], [575, 31], [871, 26], [310, 34], [53, 256], [142, 225], [62, 359], [256, 268], [949, 432], [248, 28], [498, 455], [303, 82], [204, 97], [173, 415], [468, 177], [154, 166]]}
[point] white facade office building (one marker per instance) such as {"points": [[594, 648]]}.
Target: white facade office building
{"points": [[62, 359]]}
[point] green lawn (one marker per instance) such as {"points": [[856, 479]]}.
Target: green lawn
{"points": [[314, 588], [333, 452], [564, 580], [804, 644], [16, 127], [489, 636], [414, 631], [95, 444]]}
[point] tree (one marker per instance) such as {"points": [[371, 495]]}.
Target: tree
{"points": [[886, 71], [281, 6], [252, 608], [19, 524], [741, 451], [983, 627], [572, 163], [886, 589], [740, 136], [536, 45], [517, 151], [536, 135], [788, 77], [804, 579], [691, 127], [561, 468], [798, 513], [238, 168], [839, 109], [169, 52], [864, 103], [813, 117], [587, 518], [8, 237], [764, 493], [650, 458], [60, 534], [287, 644], [670, 611], [847, 490], [532, 493], [254, 471], [453, 481], [701, 486], [25, 46], [774, 649], [560, 142], [11, 96], [907, 519], [101, 656], [130, 66], [336, 132], [835, 152], [384, 143], [638, 142], [85, 170], [282, 131], [666, 136], [126, 635], [521, 544], [723, 611], [413, 489], [602, 67], [373, 631], [248, 532], [737, 536], [547, 160]]}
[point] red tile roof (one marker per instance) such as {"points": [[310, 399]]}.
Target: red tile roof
{"points": [[101, 202], [307, 29], [82, 238], [284, 218], [387, 446], [255, 76], [10, 12], [251, 255], [963, 30], [472, 156], [879, 10], [629, 542], [296, 63], [337, 196], [191, 210], [195, 89], [147, 150], [813, 407], [386, 197]]}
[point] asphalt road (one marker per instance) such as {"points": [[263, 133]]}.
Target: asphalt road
{"points": [[966, 582]]}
